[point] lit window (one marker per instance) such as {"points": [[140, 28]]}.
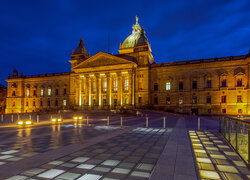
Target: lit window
{"points": [[28, 92], [181, 100], [168, 86], [194, 100], [49, 91], [126, 83], [168, 100], [41, 92], [104, 85], [64, 102], [115, 84], [126, 100]]}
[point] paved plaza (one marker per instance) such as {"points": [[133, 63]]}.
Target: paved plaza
{"points": [[106, 148]]}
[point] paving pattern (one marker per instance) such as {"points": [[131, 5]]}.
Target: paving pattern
{"points": [[131, 155], [215, 159], [28, 147]]}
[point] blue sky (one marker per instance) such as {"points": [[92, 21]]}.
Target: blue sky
{"points": [[38, 36]]}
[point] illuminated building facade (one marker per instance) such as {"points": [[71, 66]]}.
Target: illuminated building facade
{"points": [[132, 79]]}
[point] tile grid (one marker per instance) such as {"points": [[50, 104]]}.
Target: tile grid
{"points": [[215, 159], [125, 162]]}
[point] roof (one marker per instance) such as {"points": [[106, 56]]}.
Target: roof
{"points": [[216, 59], [41, 75]]}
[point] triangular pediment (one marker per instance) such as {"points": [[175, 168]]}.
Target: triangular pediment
{"points": [[103, 59]]}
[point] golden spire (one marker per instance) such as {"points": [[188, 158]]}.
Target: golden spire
{"points": [[136, 17]]}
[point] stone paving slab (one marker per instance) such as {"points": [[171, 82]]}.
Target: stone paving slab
{"points": [[114, 158], [176, 161], [215, 159], [39, 159]]}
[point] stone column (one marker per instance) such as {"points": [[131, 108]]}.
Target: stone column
{"points": [[97, 78], [130, 85], [80, 91], [119, 88], [86, 89], [90, 93], [108, 93]]}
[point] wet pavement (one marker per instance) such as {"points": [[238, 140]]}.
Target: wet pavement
{"points": [[89, 149]]}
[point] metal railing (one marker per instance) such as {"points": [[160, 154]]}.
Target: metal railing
{"points": [[237, 132]]}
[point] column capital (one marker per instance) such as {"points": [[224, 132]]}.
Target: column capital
{"points": [[107, 75], [118, 73], [97, 75]]}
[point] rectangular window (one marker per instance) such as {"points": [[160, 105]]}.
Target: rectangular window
{"points": [[156, 100], [27, 103], [194, 100], [209, 83], [64, 91], [104, 85], [126, 83], [41, 92], [180, 100], [126, 100], [180, 85], [115, 102], [41, 103], [224, 83], [239, 99], [167, 100], [14, 93], [56, 103], [139, 100], [28, 92], [194, 84], [34, 92], [115, 84], [64, 102], [223, 99], [48, 102], [208, 99], [224, 111], [240, 111], [239, 82], [155, 87], [34, 103], [57, 92], [168, 86], [49, 92], [104, 102]]}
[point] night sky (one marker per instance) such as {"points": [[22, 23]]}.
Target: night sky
{"points": [[37, 36]]}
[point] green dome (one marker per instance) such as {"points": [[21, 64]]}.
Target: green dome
{"points": [[131, 40]]}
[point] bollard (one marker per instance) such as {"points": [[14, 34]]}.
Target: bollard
{"points": [[37, 118], [146, 122], [121, 121], [108, 121], [164, 122], [2, 117], [198, 123], [12, 118], [87, 120]]}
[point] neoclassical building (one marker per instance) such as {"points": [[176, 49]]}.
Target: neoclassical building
{"points": [[132, 79]]}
